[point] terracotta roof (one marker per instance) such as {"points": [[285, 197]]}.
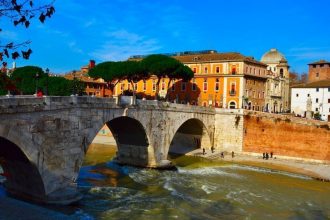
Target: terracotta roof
{"points": [[320, 62], [317, 84], [221, 57]]}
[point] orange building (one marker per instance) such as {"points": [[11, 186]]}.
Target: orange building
{"points": [[94, 87], [227, 80]]}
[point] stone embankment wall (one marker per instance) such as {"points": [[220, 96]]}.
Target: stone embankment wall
{"points": [[286, 136], [228, 130]]}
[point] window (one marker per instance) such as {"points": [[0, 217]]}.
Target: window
{"points": [[205, 70], [317, 100], [321, 65], [329, 89], [316, 109], [232, 91], [297, 95], [247, 69], [183, 86], [263, 94], [317, 74], [217, 69], [144, 85], [314, 66], [328, 100], [194, 69], [128, 86], [205, 85], [308, 95], [193, 85], [135, 86], [154, 85], [232, 105], [317, 89], [122, 87], [281, 72], [217, 84], [233, 70]]}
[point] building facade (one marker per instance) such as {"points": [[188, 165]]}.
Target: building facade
{"points": [[314, 97], [319, 70], [277, 88], [225, 80]]}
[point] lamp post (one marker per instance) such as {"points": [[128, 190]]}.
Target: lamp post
{"points": [[47, 75], [74, 83], [37, 78]]}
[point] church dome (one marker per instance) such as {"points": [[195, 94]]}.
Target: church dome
{"points": [[273, 56]]}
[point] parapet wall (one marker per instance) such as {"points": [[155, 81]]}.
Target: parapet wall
{"points": [[287, 136]]}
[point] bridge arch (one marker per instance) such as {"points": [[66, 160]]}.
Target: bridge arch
{"points": [[23, 178], [191, 135]]}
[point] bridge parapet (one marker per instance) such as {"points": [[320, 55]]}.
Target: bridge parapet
{"points": [[32, 104]]}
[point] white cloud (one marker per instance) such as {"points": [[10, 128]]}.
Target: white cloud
{"points": [[309, 53], [74, 48], [124, 44]]}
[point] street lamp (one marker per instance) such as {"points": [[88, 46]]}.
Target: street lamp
{"points": [[37, 78], [47, 75]]}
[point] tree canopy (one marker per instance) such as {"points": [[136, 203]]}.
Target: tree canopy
{"points": [[113, 72], [25, 79], [133, 71], [28, 79], [21, 12]]}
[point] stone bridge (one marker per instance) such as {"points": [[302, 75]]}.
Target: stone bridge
{"points": [[43, 141]]}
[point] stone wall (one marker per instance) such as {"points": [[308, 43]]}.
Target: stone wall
{"points": [[286, 136], [228, 130]]}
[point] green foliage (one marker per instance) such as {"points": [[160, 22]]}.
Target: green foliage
{"points": [[59, 86], [108, 71], [77, 86], [28, 78], [317, 116], [161, 65]]}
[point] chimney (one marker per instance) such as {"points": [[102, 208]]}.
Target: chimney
{"points": [[91, 64]]}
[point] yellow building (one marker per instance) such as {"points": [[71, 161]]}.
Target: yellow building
{"points": [[228, 80]]}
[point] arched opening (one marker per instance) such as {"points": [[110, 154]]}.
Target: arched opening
{"points": [[20, 177], [190, 136], [121, 140], [232, 105]]}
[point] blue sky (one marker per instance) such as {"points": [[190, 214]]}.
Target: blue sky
{"points": [[105, 30]]}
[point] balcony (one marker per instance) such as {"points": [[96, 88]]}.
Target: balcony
{"points": [[232, 92]]}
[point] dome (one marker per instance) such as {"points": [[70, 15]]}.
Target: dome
{"points": [[273, 56]]}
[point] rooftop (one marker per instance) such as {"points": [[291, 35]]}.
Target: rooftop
{"points": [[317, 84], [320, 62], [206, 56], [273, 56]]}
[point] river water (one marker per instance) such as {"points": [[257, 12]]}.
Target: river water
{"points": [[199, 189]]}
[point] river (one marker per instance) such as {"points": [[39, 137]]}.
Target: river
{"points": [[199, 189]]}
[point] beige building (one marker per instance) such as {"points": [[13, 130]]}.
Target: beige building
{"points": [[277, 86]]}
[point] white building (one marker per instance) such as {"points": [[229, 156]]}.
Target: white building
{"points": [[319, 93]]}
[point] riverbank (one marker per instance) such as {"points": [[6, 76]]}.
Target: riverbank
{"points": [[313, 169]]}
